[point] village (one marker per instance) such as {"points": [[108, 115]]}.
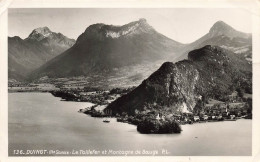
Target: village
{"points": [[213, 111]]}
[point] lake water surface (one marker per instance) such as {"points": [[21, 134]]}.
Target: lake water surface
{"points": [[42, 121]]}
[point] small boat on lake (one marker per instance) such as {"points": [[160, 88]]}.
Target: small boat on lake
{"points": [[106, 121]]}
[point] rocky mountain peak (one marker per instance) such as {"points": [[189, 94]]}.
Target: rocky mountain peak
{"points": [[40, 33], [25, 55], [47, 37], [101, 31], [137, 26], [220, 25], [208, 53], [142, 20], [43, 30], [221, 28], [209, 73]]}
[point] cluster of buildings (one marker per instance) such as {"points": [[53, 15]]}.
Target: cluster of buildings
{"points": [[213, 111]]}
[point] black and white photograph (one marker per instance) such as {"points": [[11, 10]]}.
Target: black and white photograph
{"points": [[102, 81]]}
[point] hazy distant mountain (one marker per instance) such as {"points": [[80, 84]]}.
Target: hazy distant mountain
{"points": [[112, 50], [223, 35], [209, 72], [25, 55]]}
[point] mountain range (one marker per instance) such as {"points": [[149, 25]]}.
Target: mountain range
{"points": [[26, 55], [222, 35], [112, 51], [112, 56]]}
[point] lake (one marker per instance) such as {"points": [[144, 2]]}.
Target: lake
{"points": [[40, 121]]}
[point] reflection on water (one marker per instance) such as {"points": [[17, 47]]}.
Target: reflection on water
{"points": [[41, 121]]}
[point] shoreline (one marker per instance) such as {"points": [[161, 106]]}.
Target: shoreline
{"points": [[133, 120], [28, 91], [127, 120]]}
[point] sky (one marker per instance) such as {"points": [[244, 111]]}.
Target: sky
{"points": [[184, 25]]}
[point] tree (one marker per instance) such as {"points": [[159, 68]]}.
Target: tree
{"points": [[249, 102], [240, 92], [198, 107]]}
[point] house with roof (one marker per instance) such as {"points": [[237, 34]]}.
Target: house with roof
{"points": [[196, 118]]}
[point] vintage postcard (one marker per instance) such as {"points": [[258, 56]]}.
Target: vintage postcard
{"points": [[142, 81]]}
